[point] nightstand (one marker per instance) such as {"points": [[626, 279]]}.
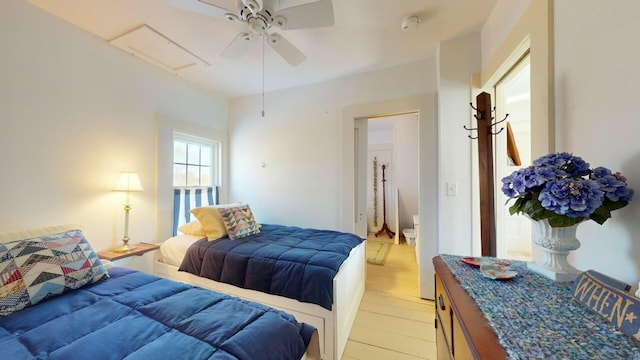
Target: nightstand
{"points": [[139, 249]]}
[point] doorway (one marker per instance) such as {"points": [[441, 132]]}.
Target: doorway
{"points": [[381, 197], [392, 192], [513, 151], [351, 202]]}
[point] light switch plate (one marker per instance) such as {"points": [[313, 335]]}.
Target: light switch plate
{"points": [[452, 189]]}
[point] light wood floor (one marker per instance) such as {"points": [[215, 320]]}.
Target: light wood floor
{"points": [[393, 322]]}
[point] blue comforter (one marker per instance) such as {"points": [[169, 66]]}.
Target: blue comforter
{"points": [[134, 315], [280, 260]]}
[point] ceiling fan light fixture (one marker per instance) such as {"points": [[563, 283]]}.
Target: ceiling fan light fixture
{"points": [[257, 25]]}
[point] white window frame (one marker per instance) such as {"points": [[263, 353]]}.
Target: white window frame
{"points": [[166, 126], [216, 156]]}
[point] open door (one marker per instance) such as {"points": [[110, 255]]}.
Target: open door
{"points": [[513, 97], [361, 145]]}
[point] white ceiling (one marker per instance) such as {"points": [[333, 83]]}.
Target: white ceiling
{"points": [[367, 36]]}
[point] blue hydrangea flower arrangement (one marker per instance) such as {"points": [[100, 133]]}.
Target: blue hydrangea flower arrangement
{"points": [[561, 188]]}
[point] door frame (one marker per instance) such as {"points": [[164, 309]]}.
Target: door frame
{"points": [[361, 145], [532, 32], [426, 106], [500, 155]]}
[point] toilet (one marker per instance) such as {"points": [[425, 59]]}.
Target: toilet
{"points": [[410, 236]]}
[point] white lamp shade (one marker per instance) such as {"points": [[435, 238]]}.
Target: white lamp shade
{"points": [[129, 181]]}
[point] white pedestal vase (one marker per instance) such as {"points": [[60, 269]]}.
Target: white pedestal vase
{"points": [[556, 244]]}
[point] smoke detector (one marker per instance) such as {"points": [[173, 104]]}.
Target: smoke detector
{"points": [[410, 23]]}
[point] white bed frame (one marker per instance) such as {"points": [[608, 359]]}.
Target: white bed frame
{"points": [[333, 326]]}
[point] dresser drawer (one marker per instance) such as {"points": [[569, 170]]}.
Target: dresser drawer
{"points": [[443, 311], [443, 351], [461, 350], [460, 321]]}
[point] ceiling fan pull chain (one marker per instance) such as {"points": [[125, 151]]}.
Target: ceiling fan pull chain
{"points": [[264, 39]]}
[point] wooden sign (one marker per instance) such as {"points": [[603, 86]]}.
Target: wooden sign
{"points": [[610, 299]]}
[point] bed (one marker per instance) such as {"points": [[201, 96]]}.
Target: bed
{"points": [[58, 301], [333, 322]]}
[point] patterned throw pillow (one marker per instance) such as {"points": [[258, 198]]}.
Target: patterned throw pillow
{"points": [[239, 221], [210, 220], [32, 270]]}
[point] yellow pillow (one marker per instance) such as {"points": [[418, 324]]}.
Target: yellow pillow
{"points": [[211, 221], [192, 228]]}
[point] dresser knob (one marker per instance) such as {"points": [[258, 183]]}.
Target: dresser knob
{"points": [[441, 302]]}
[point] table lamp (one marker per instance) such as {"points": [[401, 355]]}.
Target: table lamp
{"points": [[128, 182]]}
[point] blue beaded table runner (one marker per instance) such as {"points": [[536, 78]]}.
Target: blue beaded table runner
{"points": [[537, 318]]}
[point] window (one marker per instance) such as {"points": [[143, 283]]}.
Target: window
{"points": [[195, 161], [196, 174], [172, 213]]}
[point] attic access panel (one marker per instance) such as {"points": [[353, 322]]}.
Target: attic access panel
{"points": [[151, 45]]}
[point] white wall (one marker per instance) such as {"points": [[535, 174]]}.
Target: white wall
{"points": [[299, 143], [74, 112], [597, 67], [406, 150], [459, 59], [285, 165], [503, 18]]}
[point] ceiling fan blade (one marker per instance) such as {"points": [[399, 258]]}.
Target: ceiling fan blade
{"points": [[226, 5], [283, 4], [286, 49], [217, 8], [310, 15], [238, 46]]}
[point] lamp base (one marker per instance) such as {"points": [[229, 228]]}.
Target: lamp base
{"points": [[125, 248]]}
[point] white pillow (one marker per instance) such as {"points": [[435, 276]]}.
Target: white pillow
{"points": [[37, 232]]}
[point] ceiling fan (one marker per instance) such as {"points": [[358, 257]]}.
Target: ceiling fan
{"points": [[260, 17]]}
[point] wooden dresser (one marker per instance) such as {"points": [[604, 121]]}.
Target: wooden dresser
{"points": [[535, 318], [462, 331]]}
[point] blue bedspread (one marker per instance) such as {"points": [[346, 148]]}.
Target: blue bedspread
{"points": [[280, 260], [134, 315]]}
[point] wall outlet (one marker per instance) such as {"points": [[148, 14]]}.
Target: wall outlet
{"points": [[452, 189]]}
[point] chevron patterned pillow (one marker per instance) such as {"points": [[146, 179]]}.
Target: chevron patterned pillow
{"points": [[32, 270], [239, 221]]}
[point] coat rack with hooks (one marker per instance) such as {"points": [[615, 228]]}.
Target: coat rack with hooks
{"points": [[385, 228], [485, 131]]}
